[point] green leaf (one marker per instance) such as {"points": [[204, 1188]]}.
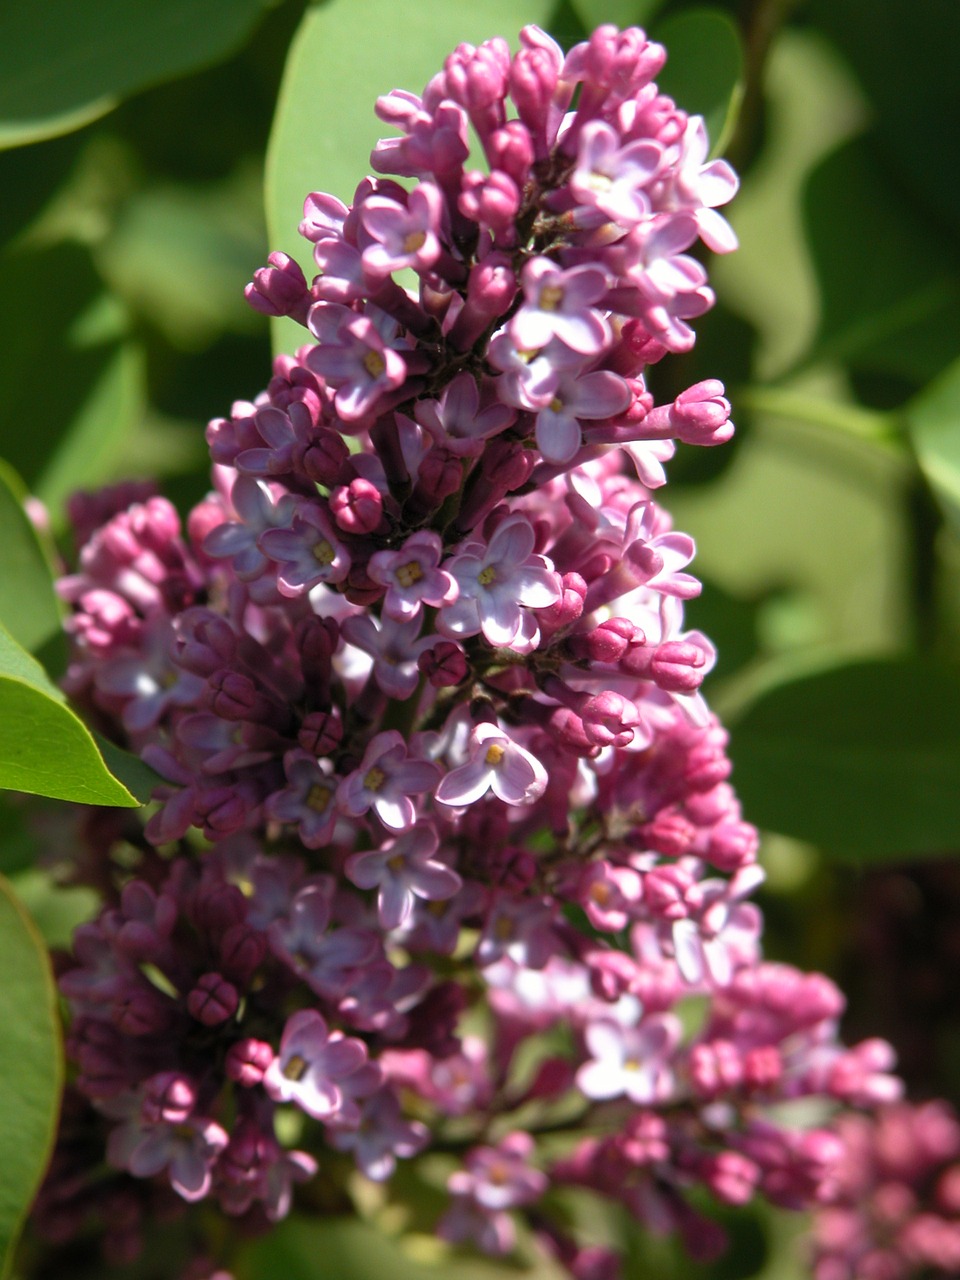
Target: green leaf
{"points": [[704, 71], [28, 605], [31, 1068], [344, 56], [889, 290], [63, 432], [622, 13], [63, 64], [933, 419], [44, 747], [862, 758]]}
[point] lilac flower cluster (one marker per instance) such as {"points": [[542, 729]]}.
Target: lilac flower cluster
{"points": [[895, 1210], [439, 788]]}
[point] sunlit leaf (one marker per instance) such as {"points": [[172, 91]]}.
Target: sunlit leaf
{"points": [[344, 57], [31, 1070], [63, 64], [862, 758], [933, 418], [704, 71], [45, 748]]}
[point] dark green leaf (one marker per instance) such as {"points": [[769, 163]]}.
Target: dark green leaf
{"points": [[71, 383], [63, 64], [44, 748], [344, 57], [28, 606], [933, 419], [137, 777], [889, 291], [31, 1070], [863, 758], [704, 71], [622, 13]]}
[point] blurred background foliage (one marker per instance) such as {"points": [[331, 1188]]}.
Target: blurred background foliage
{"points": [[154, 151]]}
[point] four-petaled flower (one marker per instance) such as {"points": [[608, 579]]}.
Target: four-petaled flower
{"points": [[311, 1063]]}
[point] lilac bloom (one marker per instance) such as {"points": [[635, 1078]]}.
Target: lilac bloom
{"points": [[385, 781], [381, 1135], [674, 551], [558, 305], [187, 1149], [412, 576], [259, 510], [530, 376], [403, 237], [341, 276], [308, 799], [630, 1060], [403, 870], [612, 178], [588, 395], [287, 435], [394, 647], [324, 217], [520, 930], [496, 764], [326, 958], [148, 682], [497, 583], [311, 1062], [353, 357], [456, 419], [226, 744], [663, 286], [308, 551], [500, 1177], [692, 185]]}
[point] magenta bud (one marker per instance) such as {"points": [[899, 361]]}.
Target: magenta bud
{"points": [[279, 289], [168, 1097], [444, 665], [676, 666], [321, 732], [733, 845], [247, 1061], [231, 695], [670, 833], [510, 148], [242, 951], [324, 457], [357, 507], [701, 414], [606, 643], [213, 1000], [140, 1012]]}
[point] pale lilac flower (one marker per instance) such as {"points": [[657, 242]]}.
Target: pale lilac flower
{"points": [[456, 419], [690, 184], [497, 583], [385, 781], [496, 764], [521, 930], [500, 1177], [311, 1062], [412, 576], [402, 870], [402, 237], [630, 1060], [614, 178], [530, 376], [309, 551], [576, 397], [395, 648], [380, 1136], [353, 357], [558, 305], [308, 799], [148, 682], [187, 1149], [259, 508]]}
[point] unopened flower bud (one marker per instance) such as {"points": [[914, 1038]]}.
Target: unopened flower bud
{"points": [[213, 1000]]}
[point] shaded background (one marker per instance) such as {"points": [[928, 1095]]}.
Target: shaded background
{"points": [[137, 142]]}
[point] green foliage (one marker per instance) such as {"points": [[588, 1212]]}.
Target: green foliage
{"points": [[933, 419], [63, 64], [45, 748], [862, 758], [31, 1071], [704, 71], [28, 606]]}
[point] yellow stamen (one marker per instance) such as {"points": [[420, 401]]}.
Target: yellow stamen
{"points": [[495, 753], [296, 1068], [318, 797], [414, 241], [409, 573], [374, 363], [323, 552], [374, 779], [487, 575], [551, 296]]}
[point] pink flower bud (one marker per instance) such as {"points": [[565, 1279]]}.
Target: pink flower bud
{"points": [[357, 507], [213, 1000], [247, 1061], [321, 732], [280, 289], [444, 665]]}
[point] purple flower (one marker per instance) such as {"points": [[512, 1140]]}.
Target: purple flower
{"points": [[311, 1062], [456, 420], [395, 648], [412, 577], [308, 551], [500, 1177], [558, 306], [381, 1135], [575, 397], [353, 357], [385, 781], [402, 237], [308, 799], [403, 870], [613, 178], [497, 583], [187, 1149], [496, 764], [630, 1060], [691, 184], [259, 509]]}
